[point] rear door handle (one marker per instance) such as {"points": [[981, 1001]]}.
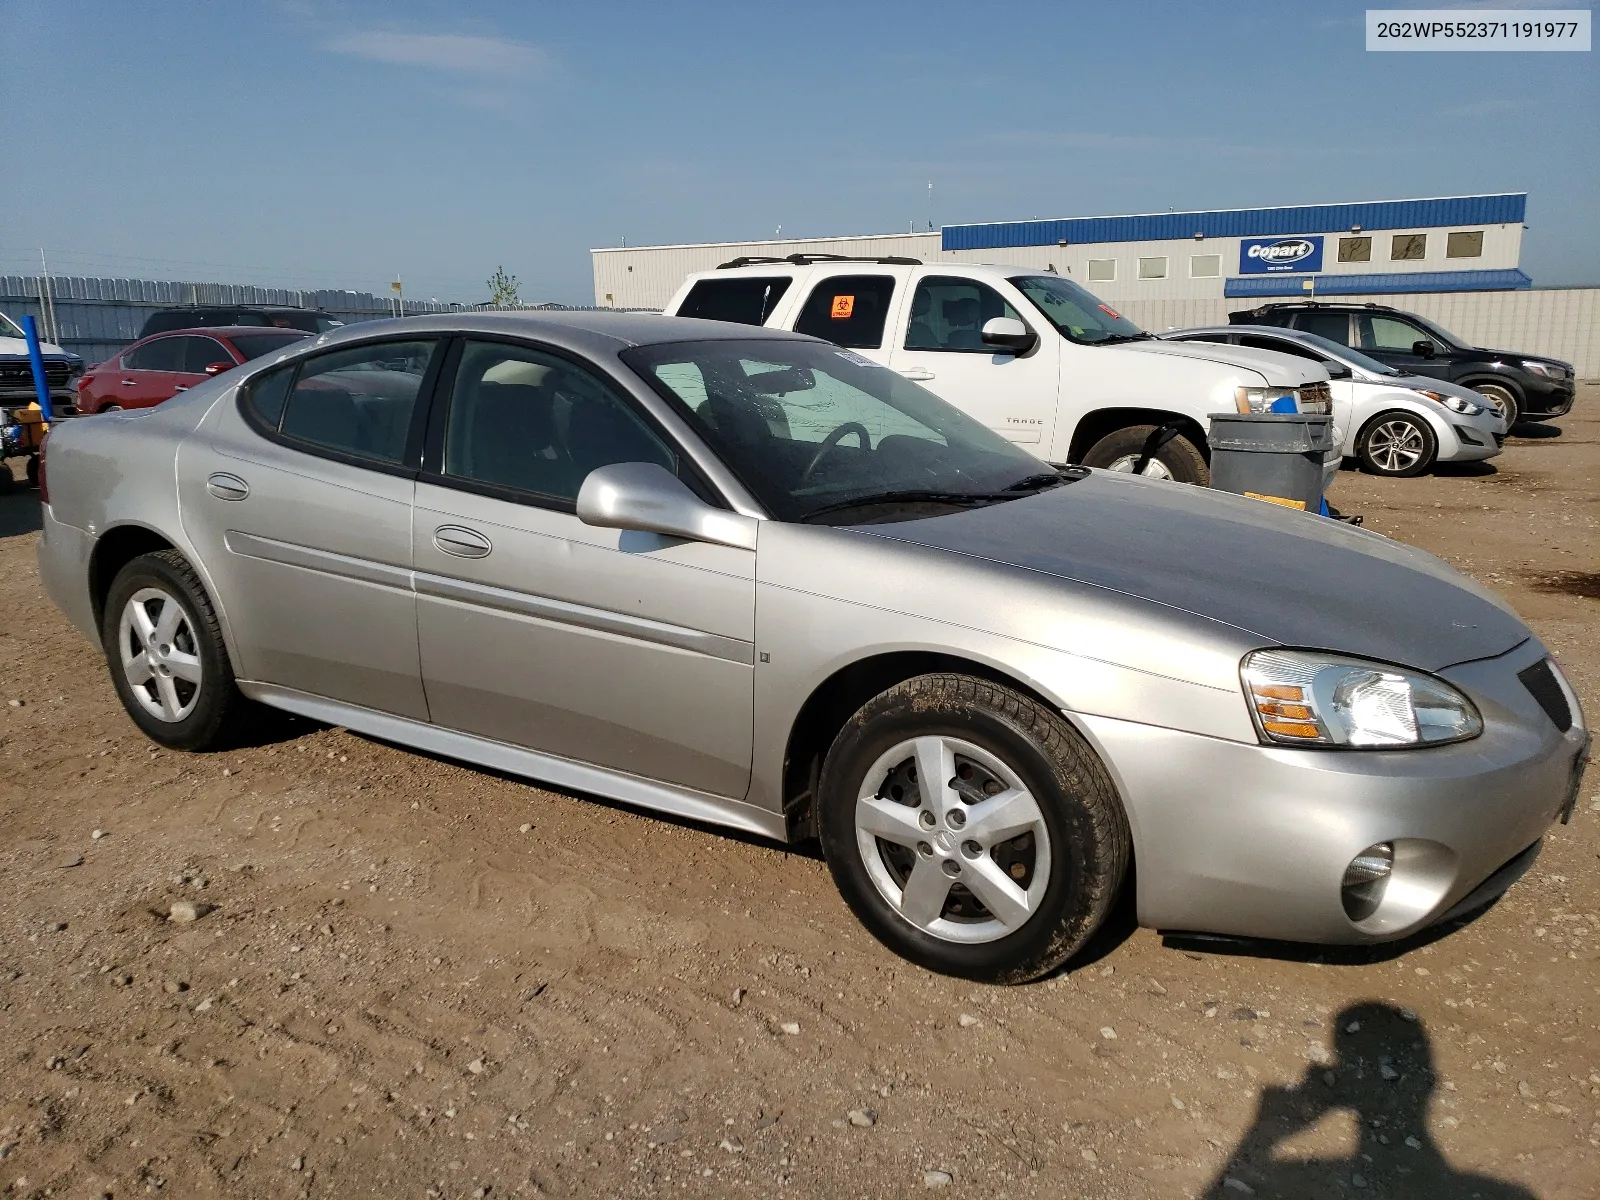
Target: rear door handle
{"points": [[462, 542], [227, 487], [917, 374], [130, 383]]}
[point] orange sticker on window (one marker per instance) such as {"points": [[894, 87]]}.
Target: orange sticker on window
{"points": [[1106, 308], [843, 306]]}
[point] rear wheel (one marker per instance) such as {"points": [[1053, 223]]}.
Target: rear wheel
{"points": [[1178, 458], [104, 408], [1503, 399], [166, 654], [1397, 444], [971, 829]]}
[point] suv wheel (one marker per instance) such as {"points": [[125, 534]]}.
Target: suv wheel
{"points": [[1503, 399], [1399, 444], [1178, 459], [971, 829], [165, 650]]}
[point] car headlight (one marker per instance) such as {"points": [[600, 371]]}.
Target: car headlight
{"points": [[1454, 403], [1307, 698], [1548, 370], [1266, 400]]}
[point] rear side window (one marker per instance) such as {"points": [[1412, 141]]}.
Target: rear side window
{"points": [[948, 313], [848, 310], [1335, 326], [359, 401], [163, 354], [743, 301]]}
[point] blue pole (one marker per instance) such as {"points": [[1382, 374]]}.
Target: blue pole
{"points": [[41, 385]]}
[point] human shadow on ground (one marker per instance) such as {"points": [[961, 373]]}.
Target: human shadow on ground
{"points": [[1384, 1076]]}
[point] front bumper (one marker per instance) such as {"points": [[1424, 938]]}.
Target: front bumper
{"points": [[1543, 398], [1253, 841]]}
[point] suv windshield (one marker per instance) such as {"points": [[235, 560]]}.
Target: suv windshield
{"points": [[1075, 311], [810, 429]]}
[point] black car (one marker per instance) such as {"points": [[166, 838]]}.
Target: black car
{"points": [[195, 316], [1521, 386]]}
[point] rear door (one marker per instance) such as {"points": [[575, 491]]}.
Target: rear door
{"points": [[858, 310], [299, 502], [1335, 326], [940, 345]]}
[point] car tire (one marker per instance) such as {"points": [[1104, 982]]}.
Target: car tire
{"points": [[170, 669], [1051, 885], [105, 408], [1179, 459], [1503, 399], [1398, 444]]}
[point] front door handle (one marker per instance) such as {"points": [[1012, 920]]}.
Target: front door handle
{"points": [[917, 374], [182, 387], [227, 487], [462, 542]]}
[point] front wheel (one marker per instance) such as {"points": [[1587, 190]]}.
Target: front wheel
{"points": [[166, 654], [1397, 444], [971, 829], [1503, 399], [1176, 458]]}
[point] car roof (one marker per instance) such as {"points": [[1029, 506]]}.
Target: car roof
{"points": [[590, 329], [866, 266], [263, 308]]}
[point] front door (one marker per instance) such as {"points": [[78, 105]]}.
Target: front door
{"points": [[942, 349], [299, 502], [1392, 340], [149, 374], [622, 649]]}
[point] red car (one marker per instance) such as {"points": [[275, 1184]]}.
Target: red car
{"points": [[158, 367]]}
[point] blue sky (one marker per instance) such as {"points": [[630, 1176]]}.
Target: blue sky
{"points": [[301, 144]]}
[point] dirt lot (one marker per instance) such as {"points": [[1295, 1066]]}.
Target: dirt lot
{"points": [[422, 980]]}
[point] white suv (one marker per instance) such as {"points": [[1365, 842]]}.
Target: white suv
{"points": [[1029, 353]]}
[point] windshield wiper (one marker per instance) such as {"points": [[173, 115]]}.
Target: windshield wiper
{"points": [[1034, 482], [1114, 338], [911, 496]]}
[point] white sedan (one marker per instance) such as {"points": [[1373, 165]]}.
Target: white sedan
{"points": [[1395, 424]]}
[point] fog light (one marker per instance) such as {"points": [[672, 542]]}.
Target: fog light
{"points": [[1365, 880]]}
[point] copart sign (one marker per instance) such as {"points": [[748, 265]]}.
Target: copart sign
{"points": [[1264, 256]]}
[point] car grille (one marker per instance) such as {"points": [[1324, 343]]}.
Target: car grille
{"points": [[1540, 680], [20, 374], [1316, 397]]}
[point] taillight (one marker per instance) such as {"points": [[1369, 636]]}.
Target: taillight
{"points": [[44, 489]]}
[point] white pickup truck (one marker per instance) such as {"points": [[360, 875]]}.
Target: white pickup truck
{"points": [[1029, 353]]}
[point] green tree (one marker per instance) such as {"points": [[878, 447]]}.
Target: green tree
{"points": [[503, 289]]}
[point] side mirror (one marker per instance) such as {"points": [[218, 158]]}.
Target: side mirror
{"points": [[649, 498], [1337, 370], [1008, 333], [1422, 347], [217, 368]]}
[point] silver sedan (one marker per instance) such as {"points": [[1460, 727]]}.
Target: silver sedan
{"points": [[752, 579]]}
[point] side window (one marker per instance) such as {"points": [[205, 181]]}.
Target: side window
{"points": [[164, 354], [359, 401], [848, 310], [744, 301], [1355, 249], [1335, 326], [1389, 333], [1284, 346], [266, 394], [200, 352], [1465, 244], [1406, 246], [948, 313], [526, 420]]}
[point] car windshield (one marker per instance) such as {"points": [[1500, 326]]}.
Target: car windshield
{"points": [[9, 328], [254, 345], [1075, 311], [1344, 354], [811, 429]]}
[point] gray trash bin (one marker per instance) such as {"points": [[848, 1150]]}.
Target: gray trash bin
{"points": [[1276, 457]]}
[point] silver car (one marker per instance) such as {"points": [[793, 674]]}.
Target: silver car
{"points": [[753, 579]]}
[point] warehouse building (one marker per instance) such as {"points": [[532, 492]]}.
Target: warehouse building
{"points": [[1452, 244]]}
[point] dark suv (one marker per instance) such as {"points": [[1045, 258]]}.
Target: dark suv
{"points": [[1521, 386], [197, 316]]}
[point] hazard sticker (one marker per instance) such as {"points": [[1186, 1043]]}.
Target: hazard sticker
{"points": [[843, 307]]}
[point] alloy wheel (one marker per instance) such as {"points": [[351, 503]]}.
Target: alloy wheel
{"points": [[1153, 469], [966, 859], [160, 655], [1396, 446]]}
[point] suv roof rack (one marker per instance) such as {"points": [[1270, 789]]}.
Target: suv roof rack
{"points": [[805, 260], [1317, 304]]}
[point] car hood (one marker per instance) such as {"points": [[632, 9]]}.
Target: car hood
{"points": [[1429, 383], [1281, 370], [16, 346], [1287, 577], [1521, 356]]}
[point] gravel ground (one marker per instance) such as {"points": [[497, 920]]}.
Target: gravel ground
{"points": [[405, 978]]}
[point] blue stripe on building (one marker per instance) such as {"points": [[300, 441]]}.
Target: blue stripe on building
{"points": [[1354, 285], [1507, 209]]}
